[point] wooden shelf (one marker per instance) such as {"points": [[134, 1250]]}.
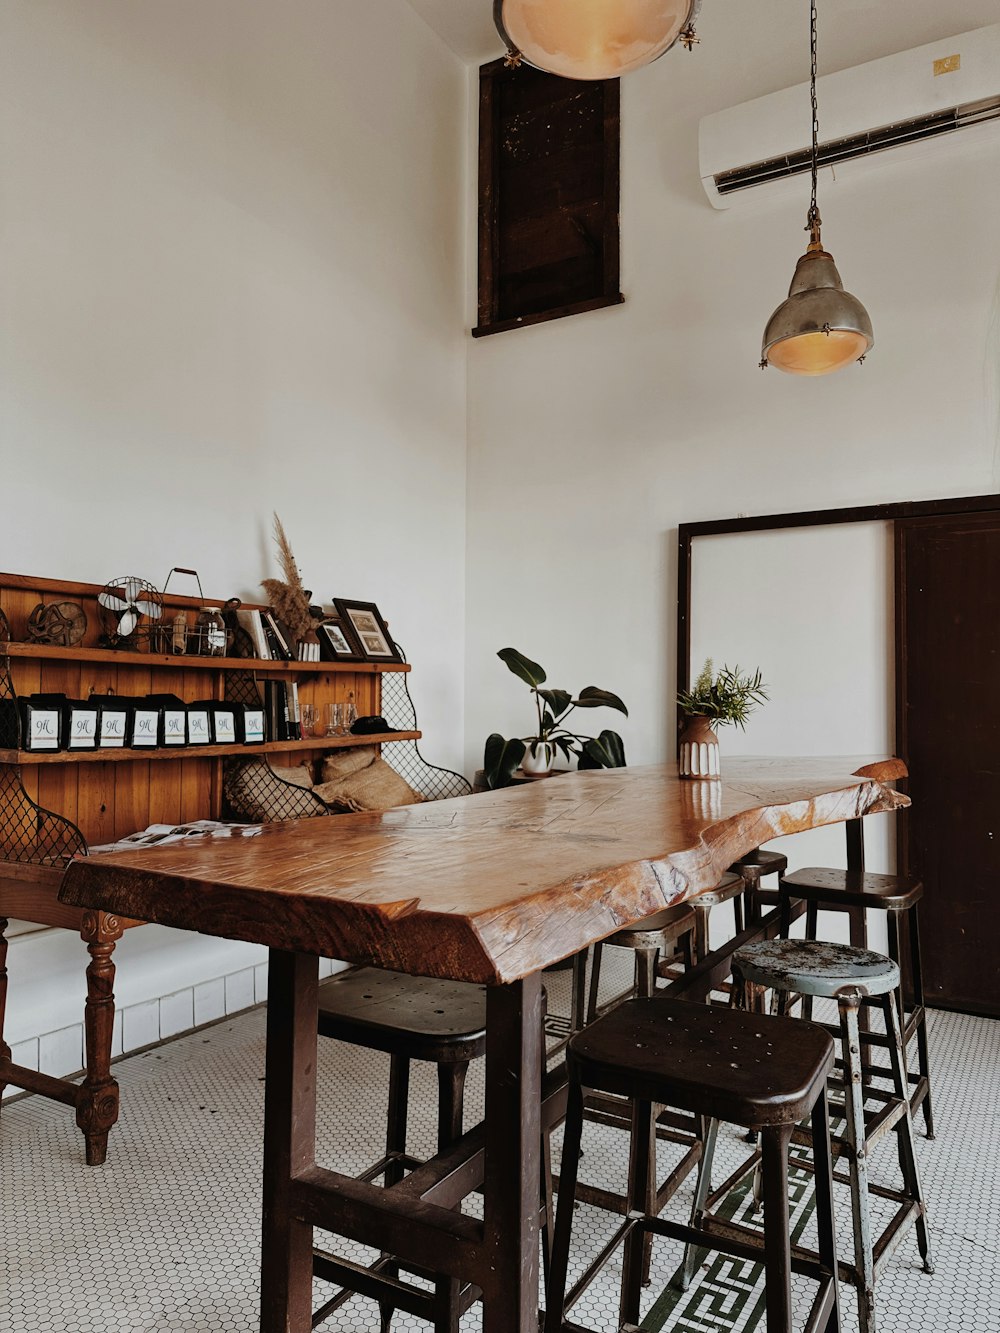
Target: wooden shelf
{"points": [[127, 755], [183, 662]]}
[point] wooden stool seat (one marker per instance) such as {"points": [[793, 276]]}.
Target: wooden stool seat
{"points": [[719, 1064], [418, 1017], [853, 888], [810, 967], [742, 1068], [762, 862]]}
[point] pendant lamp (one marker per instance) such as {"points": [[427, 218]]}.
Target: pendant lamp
{"points": [[593, 39], [820, 327]]}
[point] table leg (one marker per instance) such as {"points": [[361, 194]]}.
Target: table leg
{"points": [[289, 1140], [97, 1100], [4, 1048], [510, 1205]]}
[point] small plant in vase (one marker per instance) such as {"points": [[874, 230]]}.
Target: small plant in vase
{"points": [[725, 699], [537, 753]]}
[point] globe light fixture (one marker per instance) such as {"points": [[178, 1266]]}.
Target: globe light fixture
{"points": [[820, 327], [593, 39]]}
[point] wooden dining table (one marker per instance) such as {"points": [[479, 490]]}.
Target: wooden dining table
{"points": [[490, 889]]}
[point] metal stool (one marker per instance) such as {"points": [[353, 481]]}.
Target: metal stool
{"points": [[764, 1073], [729, 889], [898, 896], [752, 868], [410, 1018], [852, 977], [661, 935]]}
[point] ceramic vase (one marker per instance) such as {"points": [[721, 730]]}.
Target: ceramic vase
{"points": [[698, 755], [539, 756]]}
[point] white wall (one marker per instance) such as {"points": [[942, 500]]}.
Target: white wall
{"points": [[592, 438], [232, 281]]}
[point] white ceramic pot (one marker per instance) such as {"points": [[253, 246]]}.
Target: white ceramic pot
{"points": [[539, 756], [698, 753]]}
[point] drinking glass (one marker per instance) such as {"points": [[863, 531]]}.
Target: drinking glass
{"points": [[307, 717], [335, 720]]}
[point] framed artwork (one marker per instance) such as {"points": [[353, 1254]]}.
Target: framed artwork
{"points": [[335, 645], [369, 629]]}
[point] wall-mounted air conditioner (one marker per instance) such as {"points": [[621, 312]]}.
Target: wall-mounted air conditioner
{"points": [[914, 101]]}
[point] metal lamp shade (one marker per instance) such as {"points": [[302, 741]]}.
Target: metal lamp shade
{"points": [[820, 327], [592, 39]]}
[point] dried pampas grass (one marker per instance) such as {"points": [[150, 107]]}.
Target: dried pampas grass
{"points": [[289, 598]]}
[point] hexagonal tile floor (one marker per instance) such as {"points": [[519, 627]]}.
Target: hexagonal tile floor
{"points": [[164, 1238]]}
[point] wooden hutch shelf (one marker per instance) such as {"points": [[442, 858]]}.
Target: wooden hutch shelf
{"points": [[54, 805], [126, 755], [156, 661]]}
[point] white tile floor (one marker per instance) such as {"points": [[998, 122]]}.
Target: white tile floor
{"points": [[164, 1239]]}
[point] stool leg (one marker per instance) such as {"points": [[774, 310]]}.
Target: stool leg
{"points": [[451, 1095], [700, 931], [777, 1240], [751, 901], [861, 1216], [687, 950], [702, 1189], [904, 1130], [917, 986], [595, 982], [555, 1291], [784, 912], [578, 1012], [825, 1220], [395, 1137], [645, 972], [641, 1198], [738, 914], [395, 1142], [812, 931]]}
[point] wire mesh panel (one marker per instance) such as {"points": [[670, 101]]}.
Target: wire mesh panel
{"points": [[30, 834], [253, 791], [432, 782]]}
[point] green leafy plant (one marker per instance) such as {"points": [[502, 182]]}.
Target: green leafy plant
{"points": [[726, 699], [502, 757]]}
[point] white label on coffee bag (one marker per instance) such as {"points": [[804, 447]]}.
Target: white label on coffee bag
{"points": [[253, 724], [225, 728], [113, 728], [82, 728], [44, 731], [145, 726], [174, 726], [198, 732]]}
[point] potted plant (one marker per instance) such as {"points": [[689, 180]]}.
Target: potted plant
{"points": [[726, 699], [536, 753]]}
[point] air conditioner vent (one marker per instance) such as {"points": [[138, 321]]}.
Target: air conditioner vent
{"points": [[856, 146]]}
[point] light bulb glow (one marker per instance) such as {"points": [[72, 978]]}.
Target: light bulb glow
{"points": [[592, 39], [817, 353]]}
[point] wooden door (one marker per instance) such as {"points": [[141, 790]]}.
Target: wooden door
{"points": [[948, 664]]}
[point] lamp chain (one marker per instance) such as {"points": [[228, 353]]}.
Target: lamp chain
{"points": [[813, 219]]}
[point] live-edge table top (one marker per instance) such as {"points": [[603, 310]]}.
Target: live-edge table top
{"points": [[490, 888]]}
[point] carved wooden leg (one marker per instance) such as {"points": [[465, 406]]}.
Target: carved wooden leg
{"points": [[4, 1048], [97, 1101]]}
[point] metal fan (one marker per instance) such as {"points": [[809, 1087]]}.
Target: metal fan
{"points": [[125, 603]]}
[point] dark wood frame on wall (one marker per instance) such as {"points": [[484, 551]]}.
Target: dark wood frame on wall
{"points": [[499, 311], [902, 517]]}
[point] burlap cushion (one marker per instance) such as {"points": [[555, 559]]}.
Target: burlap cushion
{"points": [[257, 794], [376, 787], [299, 776], [342, 763]]}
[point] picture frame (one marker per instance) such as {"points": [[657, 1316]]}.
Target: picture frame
{"points": [[336, 643], [368, 629]]}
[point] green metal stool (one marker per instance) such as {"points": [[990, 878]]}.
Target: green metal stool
{"points": [[853, 977]]}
